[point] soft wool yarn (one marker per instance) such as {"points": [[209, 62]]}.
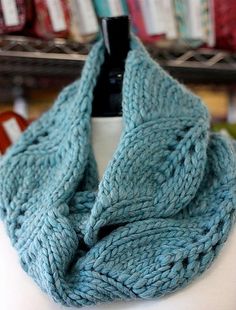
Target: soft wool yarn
{"points": [[159, 216]]}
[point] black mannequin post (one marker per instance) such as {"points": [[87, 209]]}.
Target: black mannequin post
{"points": [[108, 91]]}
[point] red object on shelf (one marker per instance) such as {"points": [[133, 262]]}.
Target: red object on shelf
{"points": [[138, 22], [52, 19], [13, 15], [225, 23], [11, 127]]}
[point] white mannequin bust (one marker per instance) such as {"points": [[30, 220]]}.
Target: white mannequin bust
{"points": [[214, 290]]}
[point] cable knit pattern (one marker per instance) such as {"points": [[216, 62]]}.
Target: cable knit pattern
{"points": [[159, 216]]}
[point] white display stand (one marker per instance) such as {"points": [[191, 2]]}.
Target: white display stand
{"points": [[214, 290]]}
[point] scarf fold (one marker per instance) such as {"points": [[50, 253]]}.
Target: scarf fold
{"points": [[160, 214]]}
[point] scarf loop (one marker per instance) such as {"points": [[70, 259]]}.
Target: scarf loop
{"points": [[160, 214]]}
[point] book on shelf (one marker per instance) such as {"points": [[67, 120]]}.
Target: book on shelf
{"points": [[159, 17], [208, 21], [153, 16], [111, 8], [170, 19], [13, 16], [138, 22], [52, 19], [84, 24], [195, 21]]}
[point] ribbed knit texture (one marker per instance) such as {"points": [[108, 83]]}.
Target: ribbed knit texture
{"points": [[161, 212]]}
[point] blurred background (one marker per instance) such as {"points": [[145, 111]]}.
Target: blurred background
{"points": [[44, 43]]}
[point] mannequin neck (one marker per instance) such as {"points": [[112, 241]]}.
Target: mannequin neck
{"points": [[106, 132]]}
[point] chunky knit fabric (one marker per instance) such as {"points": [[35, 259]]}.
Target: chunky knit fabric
{"points": [[159, 216]]}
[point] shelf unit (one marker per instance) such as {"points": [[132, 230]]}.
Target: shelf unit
{"points": [[35, 63]]}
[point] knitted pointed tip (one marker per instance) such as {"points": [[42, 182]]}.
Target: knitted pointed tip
{"points": [[151, 93]]}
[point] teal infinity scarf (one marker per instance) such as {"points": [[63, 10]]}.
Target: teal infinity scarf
{"points": [[159, 216]]}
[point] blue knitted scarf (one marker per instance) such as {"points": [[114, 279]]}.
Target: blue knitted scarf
{"points": [[160, 214]]}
